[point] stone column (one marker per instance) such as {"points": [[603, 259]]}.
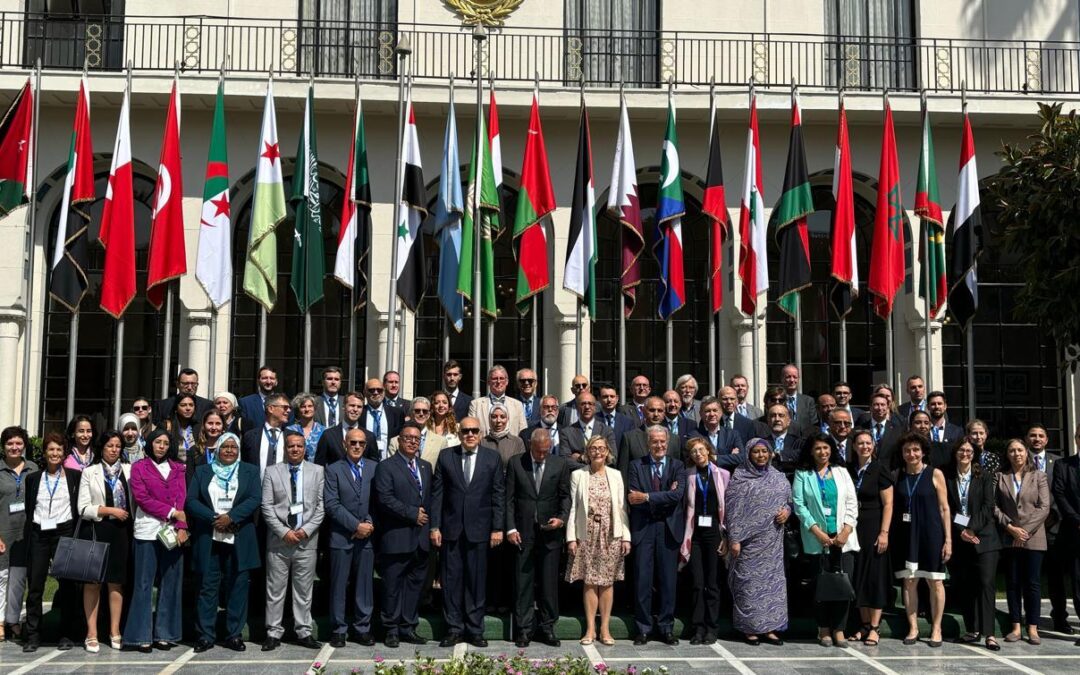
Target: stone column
{"points": [[11, 322], [198, 348]]}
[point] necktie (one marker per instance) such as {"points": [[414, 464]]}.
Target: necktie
{"points": [[791, 405], [779, 443], [331, 410], [498, 399], [528, 408], [741, 408], [729, 422], [294, 475], [416, 476], [271, 446], [538, 476], [842, 448], [610, 417], [468, 467], [554, 436], [587, 432], [656, 477], [673, 425], [878, 431], [423, 439], [936, 434], [377, 414], [1039, 462], [641, 412]]}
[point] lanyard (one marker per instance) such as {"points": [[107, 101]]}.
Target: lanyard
{"points": [[271, 441], [18, 482], [52, 488], [912, 487], [1017, 484], [228, 479], [703, 488], [963, 485], [294, 475], [861, 475], [210, 455], [821, 482]]}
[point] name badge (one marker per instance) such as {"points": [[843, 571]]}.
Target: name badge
{"points": [[704, 521], [961, 520], [827, 510], [16, 507], [48, 524], [907, 517], [223, 505], [296, 509]]}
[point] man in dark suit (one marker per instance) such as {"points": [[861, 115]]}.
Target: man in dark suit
{"points": [[674, 420], [350, 514], [941, 429], [917, 399], [841, 393], [187, 382], [467, 513], [530, 400], [403, 487], [381, 420], [1056, 560], [1065, 491], [329, 406], [825, 405], [731, 418], [785, 442], [656, 486], [549, 422], [253, 406], [574, 438], [264, 446], [727, 442], [802, 408], [392, 397], [459, 400], [635, 443], [568, 412], [537, 507], [610, 416], [885, 427], [840, 429], [331, 447], [640, 391]]}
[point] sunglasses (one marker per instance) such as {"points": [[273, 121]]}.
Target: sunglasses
{"points": [[375, 390], [357, 442], [527, 381], [139, 408], [575, 387], [470, 430], [420, 411]]}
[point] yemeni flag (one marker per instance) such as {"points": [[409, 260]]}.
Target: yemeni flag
{"points": [[928, 208], [267, 212], [845, 263], [579, 276], [535, 201], [446, 223], [17, 151], [483, 196], [623, 203], [714, 205], [67, 284], [670, 209], [308, 258], [887, 253], [167, 259], [753, 261], [213, 266], [410, 216], [796, 202], [355, 216], [117, 233], [967, 227]]}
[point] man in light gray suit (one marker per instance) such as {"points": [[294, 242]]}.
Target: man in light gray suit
{"points": [[292, 507]]}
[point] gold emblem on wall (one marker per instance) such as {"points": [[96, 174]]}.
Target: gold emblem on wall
{"points": [[486, 12]]}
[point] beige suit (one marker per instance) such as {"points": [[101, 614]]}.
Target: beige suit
{"points": [[1028, 511], [433, 445], [92, 491], [579, 505], [480, 408]]}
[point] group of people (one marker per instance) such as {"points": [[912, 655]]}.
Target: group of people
{"points": [[240, 502]]}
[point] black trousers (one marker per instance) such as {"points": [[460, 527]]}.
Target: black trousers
{"points": [[1061, 562], [537, 576], [68, 598], [974, 578], [464, 581], [705, 568], [833, 615], [404, 576]]}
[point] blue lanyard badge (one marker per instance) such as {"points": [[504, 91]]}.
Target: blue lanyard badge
{"points": [[18, 483], [861, 475], [911, 487], [1016, 485], [963, 487], [703, 488]]}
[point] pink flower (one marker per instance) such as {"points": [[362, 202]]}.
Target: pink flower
{"points": [[379, 659]]}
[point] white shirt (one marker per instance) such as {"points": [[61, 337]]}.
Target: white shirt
{"points": [[264, 448], [380, 438], [587, 430], [223, 501], [1039, 460], [147, 526], [299, 490], [54, 505]]}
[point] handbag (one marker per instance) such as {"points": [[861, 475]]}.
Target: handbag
{"points": [[833, 585], [167, 537], [81, 560]]}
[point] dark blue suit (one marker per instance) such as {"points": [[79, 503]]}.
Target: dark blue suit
{"points": [[531, 416], [466, 515], [656, 529], [253, 409], [726, 439], [620, 425], [685, 429], [403, 544], [743, 425], [347, 503], [461, 405]]}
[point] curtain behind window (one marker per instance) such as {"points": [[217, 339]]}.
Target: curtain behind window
{"points": [[619, 40], [341, 37], [875, 44]]}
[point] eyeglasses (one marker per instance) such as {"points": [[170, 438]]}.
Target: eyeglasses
{"points": [[527, 380], [470, 430], [841, 423], [360, 442], [420, 411], [409, 439], [140, 408], [375, 390]]}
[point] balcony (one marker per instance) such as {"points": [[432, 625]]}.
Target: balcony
{"points": [[602, 59]]}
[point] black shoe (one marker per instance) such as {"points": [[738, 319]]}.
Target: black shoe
{"points": [[235, 643], [391, 641], [413, 639], [708, 639], [696, 640], [450, 640], [203, 645], [521, 642], [65, 644], [670, 639], [30, 646], [164, 645], [1077, 644], [1064, 628], [774, 641], [144, 649], [478, 641], [309, 642], [641, 639], [271, 644], [549, 639], [337, 640], [365, 639]]}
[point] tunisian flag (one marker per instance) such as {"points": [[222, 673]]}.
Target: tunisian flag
{"points": [[887, 254], [117, 233], [168, 260]]}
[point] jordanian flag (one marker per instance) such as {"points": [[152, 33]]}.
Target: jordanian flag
{"points": [[579, 276], [796, 202], [17, 150], [483, 195], [308, 259], [845, 263], [887, 253], [535, 201], [753, 260], [928, 208], [670, 209], [967, 227], [446, 223], [67, 284], [267, 212], [355, 216], [411, 213], [715, 207], [213, 267]]}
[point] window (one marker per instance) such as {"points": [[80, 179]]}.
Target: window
{"points": [[344, 37], [613, 41], [875, 43], [65, 33]]}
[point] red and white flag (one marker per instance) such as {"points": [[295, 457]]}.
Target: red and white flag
{"points": [[117, 233], [168, 259]]}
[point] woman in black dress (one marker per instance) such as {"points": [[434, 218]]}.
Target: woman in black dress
{"points": [[977, 434], [874, 488]]}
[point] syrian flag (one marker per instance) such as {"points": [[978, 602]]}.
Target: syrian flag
{"points": [[928, 208], [308, 254], [845, 263], [796, 202], [446, 223], [67, 284], [17, 151], [579, 276], [267, 212], [623, 203], [355, 216], [714, 206], [670, 209], [167, 258], [887, 254], [213, 267], [967, 228], [411, 214], [117, 233], [535, 201], [753, 261]]}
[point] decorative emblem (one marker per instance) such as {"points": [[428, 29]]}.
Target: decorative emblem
{"points": [[486, 12]]}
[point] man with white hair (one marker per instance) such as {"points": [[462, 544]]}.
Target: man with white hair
{"points": [[687, 387]]}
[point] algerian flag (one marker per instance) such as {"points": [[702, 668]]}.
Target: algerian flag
{"points": [[213, 268]]}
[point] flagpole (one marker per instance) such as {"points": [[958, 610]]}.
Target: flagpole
{"points": [[213, 351], [402, 51], [889, 345], [969, 330], [577, 311], [622, 296], [118, 378], [31, 227], [262, 336], [712, 263], [926, 278], [798, 294], [351, 365], [843, 319], [404, 341], [479, 34], [755, 347], [166, 359], [73, 358], [534, 329]]}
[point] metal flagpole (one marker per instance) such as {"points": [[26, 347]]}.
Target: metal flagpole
{"points": [[352, 291], [535, 327], [843, 319], [490, 343], [73, 358], [798, 294], [262, 336], [402, 50], [479, 34], [622, 296], [166, 360], [578, 320], [118, 378], [712, 263], [889, 345], [31, 227], [213, 352], [446, 340], [755, 347], [926, 281], [306, 378], [401, 349], [969, 330]]}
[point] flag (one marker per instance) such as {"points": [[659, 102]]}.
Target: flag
{"points": [[117, 232], [579, 276], [623, 203], [308, 258], [411, 214], [967, 227], [714, 206], [887, 254], [267, 212], [845, 263], [796, 202], [753, 261], [355, 216], [928, 208], [17, 150], [68, 282], [213, 267], [446, 223], [536, 200], [167, 258], [495, 144], [483, 195], [670, 209]]}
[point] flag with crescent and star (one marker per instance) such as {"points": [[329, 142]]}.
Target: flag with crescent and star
{"points": [[213, 267], [167, 259], [670, 209]]}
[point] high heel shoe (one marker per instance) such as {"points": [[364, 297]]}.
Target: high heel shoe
{"points": [[116, 642]]}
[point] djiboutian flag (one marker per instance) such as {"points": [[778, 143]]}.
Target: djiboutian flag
{"points": [[117, 233], [267, 212], [167, 258], [579, 276], [714, 206], [17, 150], [213, 266], [355, 216], [308, 258], [887, 253], [67, 284], [796, 202], [967, 227], [410, 216], [670, 209], [928, 208], [845, 263], [535, 201], [753, 262], [446, 223], [624, 204]]}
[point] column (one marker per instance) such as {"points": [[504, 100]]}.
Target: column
{"points": [[11, 322], [198, 347]]}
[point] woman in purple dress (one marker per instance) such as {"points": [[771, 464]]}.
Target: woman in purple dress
{"points": [[758, 503]]}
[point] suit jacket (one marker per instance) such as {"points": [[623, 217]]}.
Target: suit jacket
{"points": [[433, 445], [33, 483], [887, 446], [480, 408], [164, 408], [752, 411], [685, 430], [526, 507], [668, 504], [693, 413], [726, 440], [572, 438], [742, 425], [527, 432], [1065, 492], [789, 456], [400, 403], [277, 497], [1029, 510], [1054, 520], [253, 409], [635, 445], [577, 528], [199, 508], [568, 413], [630, 409], [322, 412], [953, 433], [251, 445], [92, 488], [348, 502], [621, 424], [980, 499], [331, 447], [905, 412], [472, 511], [398, 504], [809, 507], [392, 418], [806, 416], [461, 405], [534, 418]]}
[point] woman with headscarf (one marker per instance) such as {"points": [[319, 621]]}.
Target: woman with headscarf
{"points": [[499, 436], [15, 467], [134, 445], [226, 405], [758, 503], [80, 436], [159, 488]]}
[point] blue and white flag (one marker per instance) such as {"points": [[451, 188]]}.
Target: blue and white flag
{"points": [[447, 224]]}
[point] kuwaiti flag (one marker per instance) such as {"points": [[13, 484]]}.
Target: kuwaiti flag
{"points": [[410, 216], [117, 232], [355, 215], [623, 203], [714, 206], [267, 212], [446, 223], [670, 208], [967, 227], [167, 258], [579, 276], [845, 263], [17, 150], [213, 266], [796, 202], [67, 284], [887, 253], [928, 208], [753, 259], [535, 201]]}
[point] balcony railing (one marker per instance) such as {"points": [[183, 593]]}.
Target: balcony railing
{"points": [[600, 58]]}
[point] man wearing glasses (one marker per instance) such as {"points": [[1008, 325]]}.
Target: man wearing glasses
{"points": [[635, 444], [840, 427], [187, 382], [264, 446], [381, 420], [526, 382], [480, 408], [568, 414], [640, 390], [430, 444]]}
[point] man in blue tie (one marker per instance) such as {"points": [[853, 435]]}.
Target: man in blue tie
{"points": [[640, 390], [800, 406], [941, 429], [609, 413], [381, 420], [329, 405], [826, 403], [840, 428], [526, 383]]}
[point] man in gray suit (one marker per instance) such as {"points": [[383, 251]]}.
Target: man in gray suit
{"points": [[573, 438], [801, 407], [745, 407], [292, 507]]}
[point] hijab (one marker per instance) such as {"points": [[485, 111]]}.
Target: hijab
{"points": [[136, 451], [225, 473], [499, 435], [747, 470]]}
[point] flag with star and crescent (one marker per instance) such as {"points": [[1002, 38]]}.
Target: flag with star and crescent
{"points": [[213, 268], [670, 209]]}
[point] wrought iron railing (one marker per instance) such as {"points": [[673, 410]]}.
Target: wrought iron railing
{"points": [[600, 58]]}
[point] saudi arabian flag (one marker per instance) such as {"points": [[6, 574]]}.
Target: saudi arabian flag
{"points": [[489, 220], [308, 260]]}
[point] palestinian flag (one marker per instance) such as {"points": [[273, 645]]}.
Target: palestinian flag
{"points": [[117, 233], [887, 254], [308, 258], [167, 258], [796, 202], [623, 204], [967, 228], [845, 262], [352, 247], [213, 267], [579, 276], [714, 206], [535, 201], [410, 216], [753, 258], [670, 209], [67, 284], [17, 151], [928, 208]]}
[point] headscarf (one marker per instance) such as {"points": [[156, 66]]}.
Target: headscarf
{"points": [[154, 435], [136, 451], [747, 470], [499, 435], [225, 473], [753, 496], [228, 395]]}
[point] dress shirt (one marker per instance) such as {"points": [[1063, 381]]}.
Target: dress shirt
{"points": [[55, 504], [299, 491], [1039, 459], [264, 449], [468, 464], [380, 438], [587, 429]]}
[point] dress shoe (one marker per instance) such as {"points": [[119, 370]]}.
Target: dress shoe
{"points": [[521, 642], [309, 642], [164, 645], [774, 641], [670, 639], [392, 641], [30, 646], [271, 644], [203, 645], [708, 639], [1064, 628], [478, 641], [696, 640], [364, 639], [641, 639], [413, 639], [549, 639], [450, 640], [235, 643], [65, 644], [337, 640]]}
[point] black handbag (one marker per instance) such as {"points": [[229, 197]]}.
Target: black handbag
{"points": [[81, 560], [833, 585]]}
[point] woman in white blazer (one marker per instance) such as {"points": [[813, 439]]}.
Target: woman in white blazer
{"points": [[598, 536], [828, 510], [105, 501]]}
